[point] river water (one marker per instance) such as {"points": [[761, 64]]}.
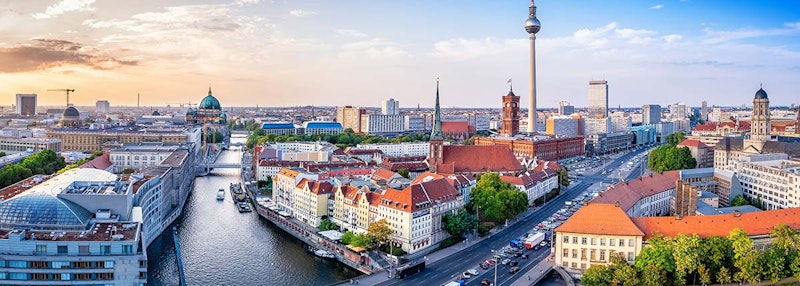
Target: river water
{"points": [[220, 246]]}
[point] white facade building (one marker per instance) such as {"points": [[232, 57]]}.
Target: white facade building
{"points": [[390, 107], [594, 126], [414, 123], [102, 106], [399, 149], [382, 124]]}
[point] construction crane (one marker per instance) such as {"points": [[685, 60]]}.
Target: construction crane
{"points": [[181, 104], [67, 90]]}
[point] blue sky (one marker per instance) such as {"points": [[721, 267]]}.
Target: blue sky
{"points": [[275, 53]]}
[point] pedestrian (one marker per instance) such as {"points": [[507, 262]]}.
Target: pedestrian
{"points": [[351, 281], [529, 278]]}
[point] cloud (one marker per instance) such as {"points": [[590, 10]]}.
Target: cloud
{"points": [[241, 3], [302, 13], [377, 48], [795, 25], [42, 54], [351, 33], [656, 7], [671, 38], [65, 6]]}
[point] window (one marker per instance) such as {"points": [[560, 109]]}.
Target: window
{"points": [[83, 276], [41, 249], [583, 254], [574, 240], [59, 264], [17, 276], [17, 264], [602, 241], [105, 249], [39, 264], [83, 264], [630, 242], [621, 242], [602, 255], [594, 241], [105, 276], [62, 249], [566, 239], [592, 255], [127, 249], [583, 240], [574, 253], [62, 276], [565, 252], [583, 265], [83, 249], [612, 241], [39, 276], [630, 256]]}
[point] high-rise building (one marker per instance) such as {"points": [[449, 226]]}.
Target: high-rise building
{"points": [[532, 26], [677, 111], [592, 126], [651, 114], [510, 125], [350, 117], [563, 126], [704, 111], [102, 106], [598, 98], [390, 107], [26, 104], [564, 108], [620, 122]]}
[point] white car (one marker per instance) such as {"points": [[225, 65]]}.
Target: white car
{"points": [[472, 272], [465, 275]]}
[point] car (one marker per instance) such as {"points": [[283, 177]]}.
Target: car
{"points": [[524, 256], [518, 254], [486, 281], [513, 263], [472, 272], [543, 243], [490, 262], [506, 261], [465, 275], [484, 265], [513, 270]]}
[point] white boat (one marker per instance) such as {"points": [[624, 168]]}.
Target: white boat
{"points": [[324, 253], [221, 195]]}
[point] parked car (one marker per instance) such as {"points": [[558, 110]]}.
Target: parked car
{"points": [[543, 243], [506, 261], [465, 275], [489, 262], [513, 270], [472, 272], [513, 263], [486, 281]]}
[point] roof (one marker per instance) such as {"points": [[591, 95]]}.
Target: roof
{"points": [[455, 126], [761, 94], [353, 151], [100, 162], [71, 112], [598, 218], [420, 196], [277, 125], [755, 223], [463, 159], [322, 125], [316, 187], [209, 102], [383, 174], [730, 144], [630, 192], [40, 209], [694, 143]]}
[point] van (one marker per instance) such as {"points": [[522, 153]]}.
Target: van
{"points": [[568, 203]]}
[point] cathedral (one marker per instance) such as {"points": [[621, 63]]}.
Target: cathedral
{"points": [[208, 111]]}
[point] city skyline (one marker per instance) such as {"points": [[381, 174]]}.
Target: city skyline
{"points": [[273, 53]]}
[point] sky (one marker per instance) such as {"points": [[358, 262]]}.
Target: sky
{"points": [[348, 52]]}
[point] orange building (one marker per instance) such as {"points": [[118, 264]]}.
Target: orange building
{"points": [[550, 149]]}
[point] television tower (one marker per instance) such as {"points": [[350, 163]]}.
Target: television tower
{"points": [[532, 26]]}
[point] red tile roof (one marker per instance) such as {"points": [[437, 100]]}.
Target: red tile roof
{"points": [[692, 143], [597, 218], [420, 196], [478, 159], [351, 151], [756, 223], [383, 174], [455, 127], [630, 192], [99, 162]]}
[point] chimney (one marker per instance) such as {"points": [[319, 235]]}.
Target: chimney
{"points": [[678, 217], [737, 213], [616, 204]]}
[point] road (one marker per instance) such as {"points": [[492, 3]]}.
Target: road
{"points": [[445, 270]]}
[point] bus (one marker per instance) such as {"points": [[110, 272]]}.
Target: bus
{"points": [[410, 268]]}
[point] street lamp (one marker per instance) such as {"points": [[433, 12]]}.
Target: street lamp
{"points": [[494, 282], [477, 220]]}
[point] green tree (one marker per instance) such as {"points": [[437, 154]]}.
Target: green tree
{"points": [[704, 273], [625, 275], [496, 199], [459, 223], [347, 237], [668, 158], [404, 173], [794, 267], [686, 253], [739, 200], [128, 171], [379, 231], [675, 138], [716, 253], [563, 177], [775, 264], [597, 274], [659, 254], [746, 259], [362, 240], [653, 276], [327, 224]]}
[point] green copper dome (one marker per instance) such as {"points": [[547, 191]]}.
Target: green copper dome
{"points": [[209, 102]]}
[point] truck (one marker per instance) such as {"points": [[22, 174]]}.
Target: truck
{"points": [[409, 268], [456, 283], [533, 240]]}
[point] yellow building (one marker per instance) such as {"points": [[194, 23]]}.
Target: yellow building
{"points": [[311, 201], [90, 140], [595, 233]]}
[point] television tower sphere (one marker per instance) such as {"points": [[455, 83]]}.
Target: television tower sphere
{"points": [[532, 25]]}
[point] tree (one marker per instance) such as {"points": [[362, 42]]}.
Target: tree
{"points": [[739, 200], [597, 274], [563, 177], [745, 258], [347, 237], [794, 267], [675, 138], [496, 199], [128, 171], [668, 158], [379, 231], [686, 253], [404, 173], [653, 276], [775, 264], [625, 275], [715, 253], [659, 254], [326, 224], [459, 223]]}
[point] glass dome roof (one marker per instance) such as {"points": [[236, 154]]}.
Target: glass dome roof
{"points": [[38, 209], [209, 102]]}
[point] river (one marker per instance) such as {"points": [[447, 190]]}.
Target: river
{"points": [[221, 246]]}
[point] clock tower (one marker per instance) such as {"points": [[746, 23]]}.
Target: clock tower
{"points": [[510, 125]]}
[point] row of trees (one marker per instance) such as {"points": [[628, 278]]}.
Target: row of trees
{"points": [[343, 140], [45, 162], [740, 200], [690, 259], [377, 235], [670, 157]]}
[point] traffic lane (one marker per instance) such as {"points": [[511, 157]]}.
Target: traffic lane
{"points": [[503, 276]]}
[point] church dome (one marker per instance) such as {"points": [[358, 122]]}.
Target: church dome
{"points": [[191, 111], [71, 112], [761, 94], [156, 113], [223, 116], [209, 102]]}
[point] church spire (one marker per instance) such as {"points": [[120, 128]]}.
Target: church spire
{"points": [[436, 133], [209, 89]]}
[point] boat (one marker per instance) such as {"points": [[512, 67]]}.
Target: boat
{"points": [[237, 194], [221, 195], [324, 254], [244, 207]]}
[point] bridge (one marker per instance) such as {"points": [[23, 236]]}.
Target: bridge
{"points": [[219, 165]]}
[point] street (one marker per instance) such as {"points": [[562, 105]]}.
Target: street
{"points": [[447, 269]]}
